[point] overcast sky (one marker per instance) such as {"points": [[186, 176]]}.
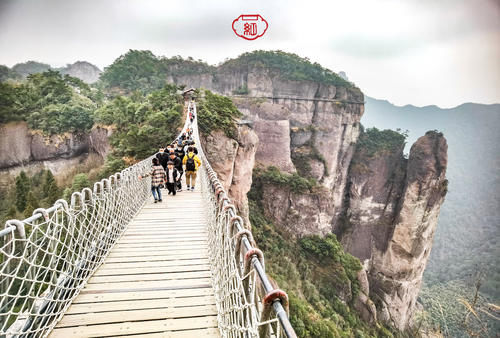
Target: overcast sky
{"points": [[443, 52]]}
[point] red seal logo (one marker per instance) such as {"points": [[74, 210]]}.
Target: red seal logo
{"points": [[250, 26]]}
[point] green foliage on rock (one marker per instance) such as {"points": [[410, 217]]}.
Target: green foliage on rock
{"points": [[141, 70], [373, 141], [49, 102], [217, 112], [142, 124], [135, 70], [295, 182], [290, 66], [319, 277]]}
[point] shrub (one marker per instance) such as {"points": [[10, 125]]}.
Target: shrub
{"points": [[217, 112]]}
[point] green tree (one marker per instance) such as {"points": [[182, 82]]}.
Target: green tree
{"points": [[289, 66], [217, 112], [11, 212], [136, 70], [80, 181], [31, 204], [50, 190], [10, 109], [22, 190]]}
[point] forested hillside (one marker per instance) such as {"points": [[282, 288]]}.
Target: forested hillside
{"points": [[467, 244], [53, 104]]}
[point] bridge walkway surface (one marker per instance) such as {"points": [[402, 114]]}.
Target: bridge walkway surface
{"points": [[156, 280]]}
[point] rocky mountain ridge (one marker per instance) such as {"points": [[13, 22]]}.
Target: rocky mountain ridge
{"points": [[384, 211], [83, 70]]}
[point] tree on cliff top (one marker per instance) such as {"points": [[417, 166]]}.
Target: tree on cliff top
{"points": [[217, 112], [136, 70], [290, 66], [48, 102]]}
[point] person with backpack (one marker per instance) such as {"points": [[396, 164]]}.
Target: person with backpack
{"points": [[162, 157], [192, 163], [158, 176], [177, 163], [172, 177]]}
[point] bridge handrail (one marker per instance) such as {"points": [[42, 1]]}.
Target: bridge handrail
{"points": [[248, 256], [46, 259]]}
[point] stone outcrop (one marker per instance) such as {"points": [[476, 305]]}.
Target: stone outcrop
{"points": [[393, 210], [23, 147], [233, 160], [299, 214], [295, 116]]}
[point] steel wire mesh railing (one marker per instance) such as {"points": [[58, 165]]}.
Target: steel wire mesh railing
{"points": [[46, 259], [246, 299]]}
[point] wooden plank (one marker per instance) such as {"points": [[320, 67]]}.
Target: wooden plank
{"points": [[156, 303], [172, 256], [165, 229], [212, 332], [152, 326], [152, 237], [166, 240], [154, 269], [159, 252], [136, 277], [150, 245], [149, 284], [135, 315], [165, 232], [173, 262], [94, 297], [179, 246]]}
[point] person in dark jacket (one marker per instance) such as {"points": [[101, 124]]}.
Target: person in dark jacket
{"points": [[179, 153], [177, 165], [172, 177], [162, 157]]}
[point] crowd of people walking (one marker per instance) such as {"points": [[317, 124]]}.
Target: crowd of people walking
{"points": [[178, 159]]}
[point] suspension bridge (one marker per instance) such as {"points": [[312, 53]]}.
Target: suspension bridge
{"points": [[112, 263]]}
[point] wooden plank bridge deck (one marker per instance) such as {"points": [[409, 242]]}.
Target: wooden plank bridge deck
{"points": [[155, 281]]}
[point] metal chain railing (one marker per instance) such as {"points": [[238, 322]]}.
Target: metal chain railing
{"points": [[246, 299], [46, 259]]}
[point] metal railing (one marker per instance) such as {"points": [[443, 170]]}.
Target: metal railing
{"points": [[245, 296]]}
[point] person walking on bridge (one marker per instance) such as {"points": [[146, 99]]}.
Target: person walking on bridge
{"points": [[158, 177], [177, 163], [192, 163], [162, 157], [172, 176]]}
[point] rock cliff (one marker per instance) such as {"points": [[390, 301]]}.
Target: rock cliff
{"points": [[391, 217], [384, 208], [233, 160], [20, 147]]}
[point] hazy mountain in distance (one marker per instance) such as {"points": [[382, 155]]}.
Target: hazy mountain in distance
{"points": [[467, 236], [83, 70]]}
